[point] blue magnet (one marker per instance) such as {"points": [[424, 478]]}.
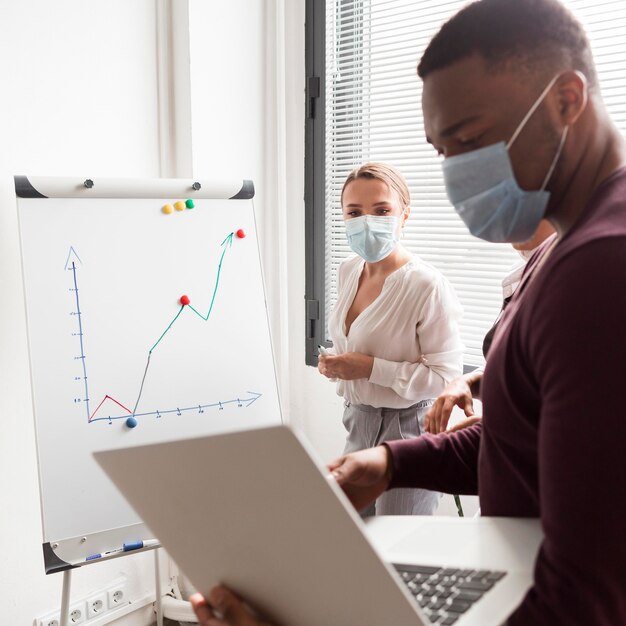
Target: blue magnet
{"points": [[131, 422]]}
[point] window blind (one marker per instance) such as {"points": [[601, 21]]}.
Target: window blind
{"points": [[373, 113]]}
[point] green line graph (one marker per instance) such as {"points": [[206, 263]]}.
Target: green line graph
{"points": [[229, 242]]}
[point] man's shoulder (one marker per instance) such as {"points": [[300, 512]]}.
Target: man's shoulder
{"points": [[605, 216]]}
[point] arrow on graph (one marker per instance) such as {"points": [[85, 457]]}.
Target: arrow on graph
{"points": [[71, 255], [256, 397]]}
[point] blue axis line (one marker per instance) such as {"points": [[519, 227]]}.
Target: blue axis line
{"points": [[80, 334], [197, 407]]}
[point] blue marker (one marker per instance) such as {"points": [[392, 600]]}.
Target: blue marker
{"points": [[137, 545], [127, 547]]}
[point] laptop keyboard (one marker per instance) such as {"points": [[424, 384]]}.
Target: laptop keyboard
{"points": [[446, 593]]}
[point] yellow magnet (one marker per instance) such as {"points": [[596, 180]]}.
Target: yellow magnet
{"points": [[167, 209], [180, 205]]}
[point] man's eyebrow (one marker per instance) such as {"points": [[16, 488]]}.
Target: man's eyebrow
{"points": [[454, 128]]}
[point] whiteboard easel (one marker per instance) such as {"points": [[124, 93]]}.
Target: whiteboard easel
{"points": [[118, 357]]}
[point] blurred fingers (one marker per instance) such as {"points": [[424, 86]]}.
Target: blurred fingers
{"points": [[201, 609], [231, 607]]}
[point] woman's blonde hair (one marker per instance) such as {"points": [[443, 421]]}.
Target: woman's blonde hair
{"points": [[385, 173]]}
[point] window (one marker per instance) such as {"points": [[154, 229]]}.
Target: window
{"points": [[363, 104]]}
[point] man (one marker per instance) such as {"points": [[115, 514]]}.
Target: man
{"points": [[515, 78]]}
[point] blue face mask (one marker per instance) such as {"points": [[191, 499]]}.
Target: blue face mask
{"points": [[482, 187], [372, 237]]}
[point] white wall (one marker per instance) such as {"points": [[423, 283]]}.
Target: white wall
{"points": [[78, 97]]}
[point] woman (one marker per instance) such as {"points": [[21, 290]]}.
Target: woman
{"points": [[394, 328]]}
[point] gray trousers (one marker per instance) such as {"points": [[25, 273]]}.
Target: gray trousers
{"points": [[368, 427]]}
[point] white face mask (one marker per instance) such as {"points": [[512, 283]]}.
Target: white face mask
{"points": [[482, 187], [372, 237]]}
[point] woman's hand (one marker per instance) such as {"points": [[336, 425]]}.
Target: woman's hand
{"points": [[457, 393], [234, 612], [363, 475], [348, 366], [466, 423]]}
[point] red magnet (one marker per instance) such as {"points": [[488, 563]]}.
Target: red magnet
{"points": [[241, 233], [184, 300]]}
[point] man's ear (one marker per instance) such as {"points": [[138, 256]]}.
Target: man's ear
{"points": [[572, 96]]}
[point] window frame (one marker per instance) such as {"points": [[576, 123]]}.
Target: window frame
{"points": [[314, 173]]}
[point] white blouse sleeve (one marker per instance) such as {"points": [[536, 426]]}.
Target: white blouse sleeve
{"points": [[441, 347]]}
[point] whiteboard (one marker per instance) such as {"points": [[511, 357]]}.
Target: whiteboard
{"points": [[117, 358]]}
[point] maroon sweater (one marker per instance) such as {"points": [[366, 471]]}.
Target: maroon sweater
{"points": [[553, 439]]}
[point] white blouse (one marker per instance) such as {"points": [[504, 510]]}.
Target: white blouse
{"points": [[411, 330]]}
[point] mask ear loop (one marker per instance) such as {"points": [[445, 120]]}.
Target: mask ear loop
{"points": [[532, 109], [556, 158], [404, 219]]}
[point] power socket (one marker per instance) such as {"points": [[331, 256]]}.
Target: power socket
{"points": [[97, 604], [117, 594], [95, 607], [78, 613]]}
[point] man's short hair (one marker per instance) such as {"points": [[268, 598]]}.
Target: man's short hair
{"points": [[540, 34]]}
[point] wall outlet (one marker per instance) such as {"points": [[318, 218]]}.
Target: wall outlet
{"points": [[95, 607], [78, 613], [117, 595], [97, 604]]}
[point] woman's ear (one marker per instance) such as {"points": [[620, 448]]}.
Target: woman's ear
{"points": [[572, 96], [405, 215]]}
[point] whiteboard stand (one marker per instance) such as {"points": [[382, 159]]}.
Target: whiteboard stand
{"points": [[65, 597], [159, 593], [89, 248]]}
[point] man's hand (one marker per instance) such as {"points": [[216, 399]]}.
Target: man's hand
{"points": [[363, 475], [457, 393], [234, 612], [348, 366]]}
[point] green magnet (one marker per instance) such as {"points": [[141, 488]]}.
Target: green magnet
{"points": [[190, 204]]}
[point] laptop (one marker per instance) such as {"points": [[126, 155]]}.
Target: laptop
{"points": [[254, 510]]}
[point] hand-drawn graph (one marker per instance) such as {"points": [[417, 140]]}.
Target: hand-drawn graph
{"points": [[131, 414]]}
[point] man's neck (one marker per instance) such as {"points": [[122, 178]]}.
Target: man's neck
{"points": [[602, 152]]}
